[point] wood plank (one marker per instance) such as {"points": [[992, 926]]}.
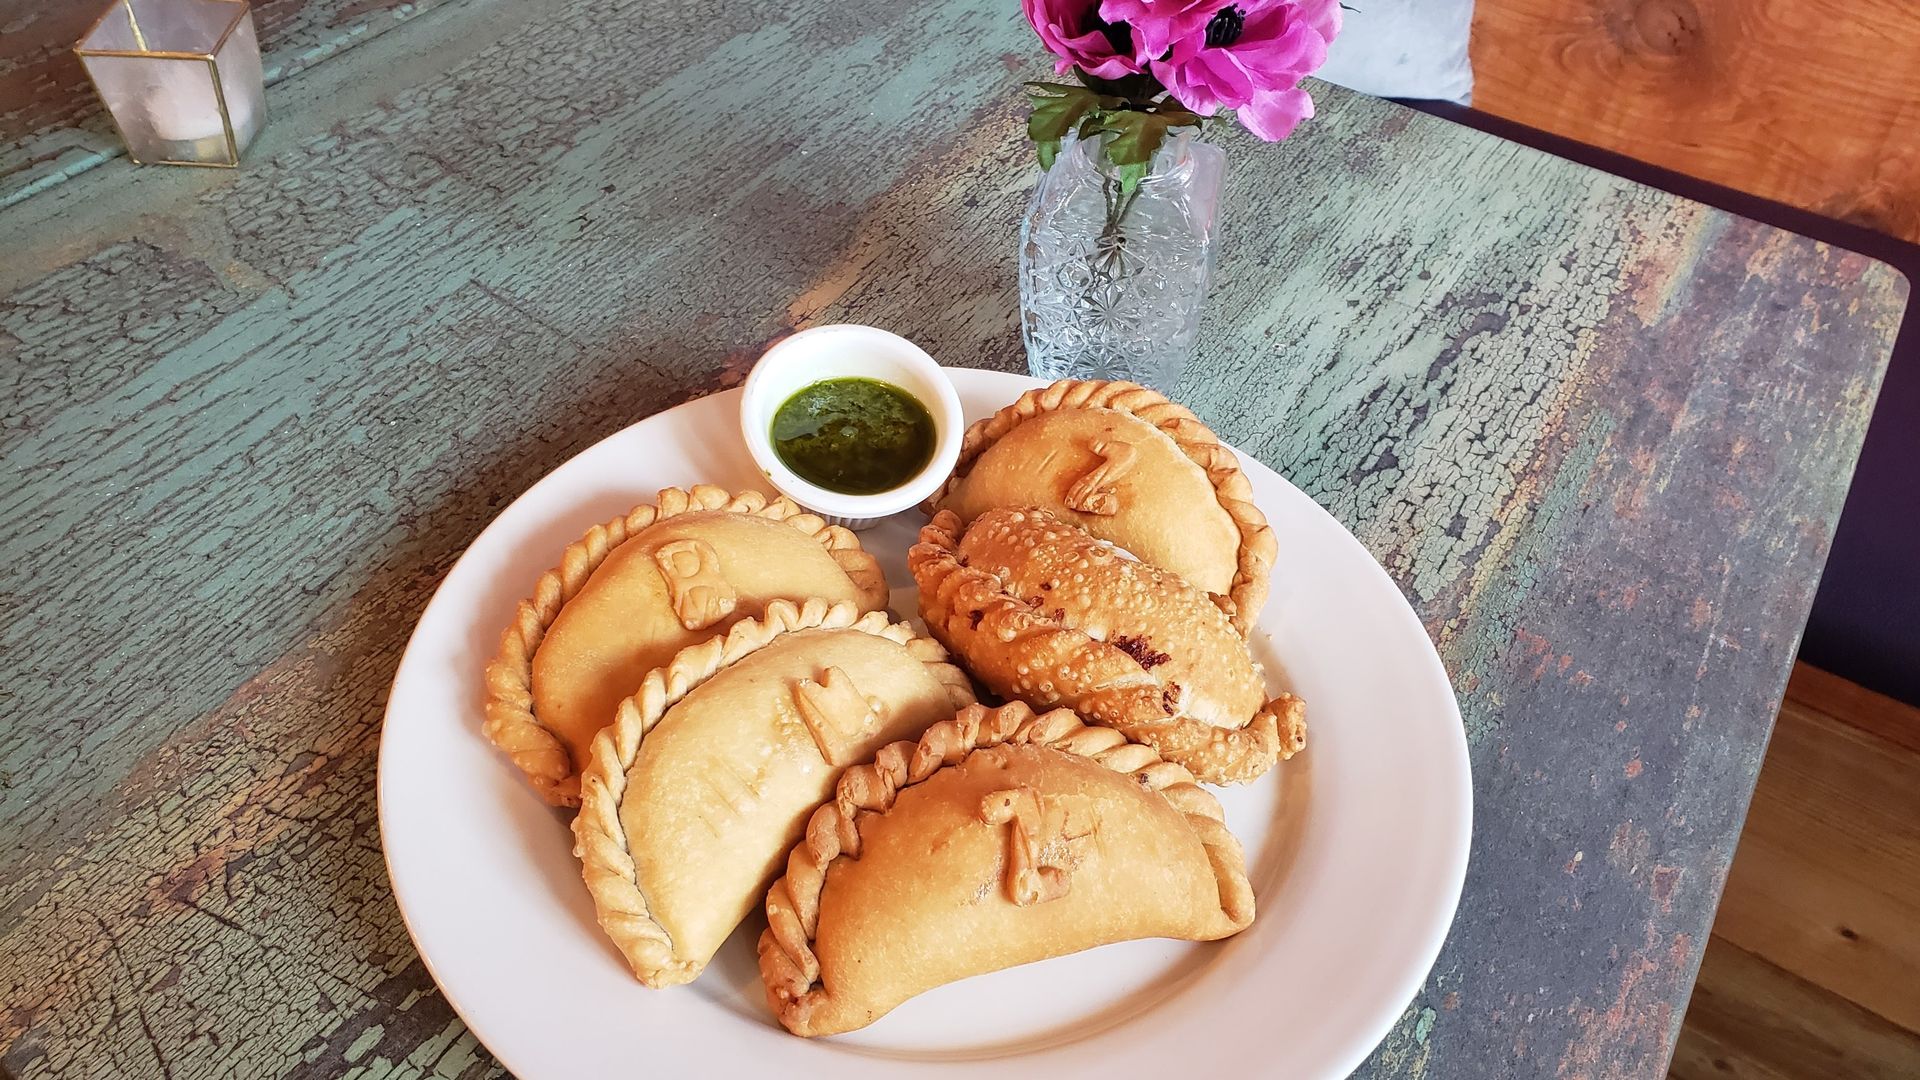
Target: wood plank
{"points": [[1815, 103], [1750, 1020], [1855, 705], [1826, 881], [1703, 1055]]}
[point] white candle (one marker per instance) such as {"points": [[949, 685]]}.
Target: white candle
{"points": [[180, 105]]}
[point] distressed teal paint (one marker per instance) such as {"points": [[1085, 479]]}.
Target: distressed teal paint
{"points": [[1598, 434], [1484, 629], [1423, 1026]]}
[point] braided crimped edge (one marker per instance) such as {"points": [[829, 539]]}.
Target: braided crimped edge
{"points": [[600, 840], [790, 970], [1102, 681], [510, 723], [1258, 549]]}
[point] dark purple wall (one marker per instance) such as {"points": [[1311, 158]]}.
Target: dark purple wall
{"points": [[1865, 624]]}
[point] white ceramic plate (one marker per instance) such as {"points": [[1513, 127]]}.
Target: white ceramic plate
{"points": [[1357, 849]]}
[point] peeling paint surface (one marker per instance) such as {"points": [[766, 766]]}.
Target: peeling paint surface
{"points": [[1598, 435]]}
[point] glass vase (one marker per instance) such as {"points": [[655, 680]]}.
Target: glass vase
{"points": [[1112, 284]]}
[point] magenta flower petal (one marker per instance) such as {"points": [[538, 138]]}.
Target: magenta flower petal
{"points": [[1187, 90], [1094, 54], [1073, 32], [1158, 24], [1221, 70], [1295, 51], [1250, 57], [1273, 114], [1323, 16]]}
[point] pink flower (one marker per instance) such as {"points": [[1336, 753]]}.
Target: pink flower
{"points": [[1157, 24], [1074, 31], [1250, 56]]}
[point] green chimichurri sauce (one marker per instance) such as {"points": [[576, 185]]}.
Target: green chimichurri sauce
{"points": [[853, 436]]}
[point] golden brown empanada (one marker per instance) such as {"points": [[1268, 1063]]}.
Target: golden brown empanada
{"points": [[705, 778], [1130, 467], [1040, 611], [1000, 838], [636, 590]]}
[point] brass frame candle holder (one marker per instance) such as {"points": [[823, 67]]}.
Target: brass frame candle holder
{"points": [[181, 79]]}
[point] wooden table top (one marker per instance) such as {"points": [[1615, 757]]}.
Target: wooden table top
{"points": [[1598, 434]]}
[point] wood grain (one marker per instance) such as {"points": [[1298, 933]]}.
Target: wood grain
{"points": [[257, 414], [1826, 883], [1750, 1020], [1810, 968], [1849, 703], [1814, 103]]}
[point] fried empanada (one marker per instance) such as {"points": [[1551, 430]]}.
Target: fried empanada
{"points": [[636, 590], [705, 778], [1040, 611], [1130, 467], [1000, 838]]}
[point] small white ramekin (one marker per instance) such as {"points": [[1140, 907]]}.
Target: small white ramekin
{"points": [[839, 352]]}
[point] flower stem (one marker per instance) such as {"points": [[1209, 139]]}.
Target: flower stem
{"points": [[1117, 206]]}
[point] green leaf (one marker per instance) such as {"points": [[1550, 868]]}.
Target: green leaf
{"points": [[1137, 136], [1176, 114], [1056, 109]]}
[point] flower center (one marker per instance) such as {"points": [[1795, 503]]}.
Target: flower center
{"points": [[1225, 26], [1118, 35]]}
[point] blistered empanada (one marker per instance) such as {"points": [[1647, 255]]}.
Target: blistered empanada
{"points": [[999, 838], [1130, 467], [705, 778], [1040, 611], [636, 590]]}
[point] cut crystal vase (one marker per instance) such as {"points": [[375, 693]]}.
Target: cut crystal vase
{"points": [[1112, 283]]}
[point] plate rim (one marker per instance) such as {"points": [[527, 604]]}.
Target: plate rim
{"points": [[1386, 1012]]}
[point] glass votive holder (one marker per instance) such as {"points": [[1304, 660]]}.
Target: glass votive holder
{"points": [[181, 78]]}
